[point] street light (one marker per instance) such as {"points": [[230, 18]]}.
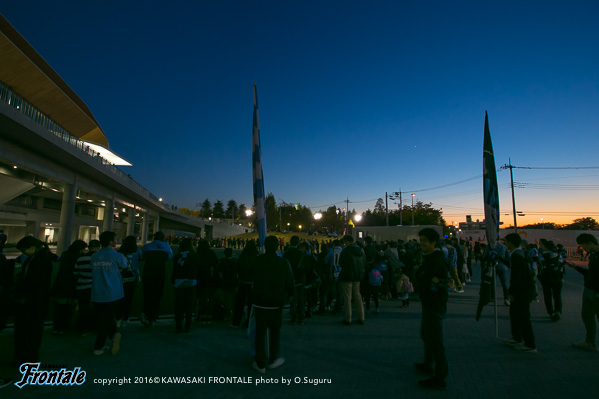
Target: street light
{"points": [[357, 218], [317, 216], [413, 195], [543, 224], [249, 212]]}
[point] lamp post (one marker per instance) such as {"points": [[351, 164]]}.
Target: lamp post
{"points": [[542, 223], [413, 195]]}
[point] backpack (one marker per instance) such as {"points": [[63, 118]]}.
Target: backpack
{"points": [[375, 278], [336, 268], [336, 272]]}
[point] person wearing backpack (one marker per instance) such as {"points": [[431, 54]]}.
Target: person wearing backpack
{"points": [[334, 270], [452, 257], [404, 287], [373, 288], [551, 277], [184, 278], [521, 293]]}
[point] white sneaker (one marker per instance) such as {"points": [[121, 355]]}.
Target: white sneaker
{"points": [[98, 352], [525, 348], [257, 368], [277, 363]]}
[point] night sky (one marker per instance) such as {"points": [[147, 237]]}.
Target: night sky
{"points": [[356, 98]]}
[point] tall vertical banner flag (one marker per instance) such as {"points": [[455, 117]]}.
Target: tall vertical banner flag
{"points": [[490, 190], [491, 204], [258, 180]]}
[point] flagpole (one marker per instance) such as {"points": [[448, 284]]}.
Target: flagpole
{"points": [[491, 204], [258, 178]]}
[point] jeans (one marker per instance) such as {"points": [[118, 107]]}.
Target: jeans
{"points": [[153, 287], [242, 299], [270, 319], [590, 313], [552, 294], [374, 293], [106, 316], [520, 322], [184, 304], [28, 331], [84, 315], [432, 335], [125, 309], [298, 304], [502, 279]]}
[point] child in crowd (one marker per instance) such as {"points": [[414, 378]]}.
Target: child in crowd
{"points": [[466, 272], [373, 288], [404, 287]]}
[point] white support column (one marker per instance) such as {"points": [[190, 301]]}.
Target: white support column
{"points": [[157, 224], [67, 215], [131, 222], [108, 215], [144, 228]]}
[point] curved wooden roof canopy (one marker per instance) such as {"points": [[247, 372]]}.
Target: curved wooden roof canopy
{"points": [[26, 72]]}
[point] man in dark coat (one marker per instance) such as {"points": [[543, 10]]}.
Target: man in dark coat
{"points": [[521, 293], [432, 276], [273, 282], [353, 269]]}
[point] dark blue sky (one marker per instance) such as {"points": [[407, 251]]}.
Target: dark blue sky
{"points": [[356, 98]]}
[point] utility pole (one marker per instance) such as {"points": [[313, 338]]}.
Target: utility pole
{"points": [[394, 196], [400, 209], [413, 195], [386, 209], [510, 166], [347, 216]]}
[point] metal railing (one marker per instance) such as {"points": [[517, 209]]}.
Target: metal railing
{"points": [[17, 101]]}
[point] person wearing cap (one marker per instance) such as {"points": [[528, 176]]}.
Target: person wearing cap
{"points": [[551, 276]]}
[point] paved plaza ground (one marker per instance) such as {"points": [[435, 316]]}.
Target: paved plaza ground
{"points": [[327, 359]]}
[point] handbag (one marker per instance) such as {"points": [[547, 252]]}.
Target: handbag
{"points": [[128, 275]]}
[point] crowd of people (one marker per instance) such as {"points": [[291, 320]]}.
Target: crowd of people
{"points": [[97, 282]]}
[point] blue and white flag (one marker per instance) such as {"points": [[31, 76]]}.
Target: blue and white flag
{"points": [[259, 196]]}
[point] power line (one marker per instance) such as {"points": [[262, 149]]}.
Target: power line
{"points": [[444, 185], [555, 167]]}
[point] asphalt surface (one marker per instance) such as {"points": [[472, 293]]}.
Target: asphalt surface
{"points": [[326, 358]]}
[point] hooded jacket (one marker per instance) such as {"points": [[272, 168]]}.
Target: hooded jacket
{"points": [[353, 264]]}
